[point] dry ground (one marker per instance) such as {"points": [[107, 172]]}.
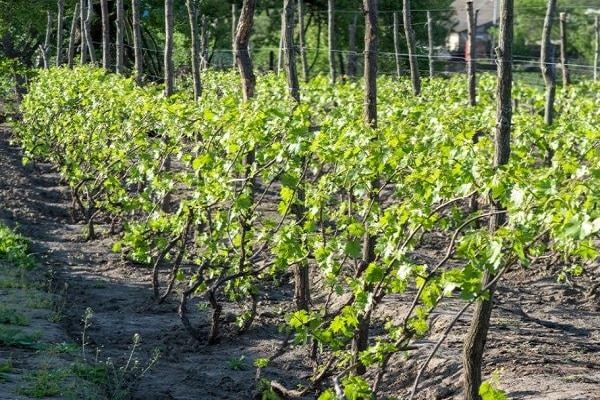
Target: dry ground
{"points": [[544, 342]]}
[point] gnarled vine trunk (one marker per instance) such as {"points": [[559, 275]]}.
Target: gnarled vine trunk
{"points": [[476, 336]]}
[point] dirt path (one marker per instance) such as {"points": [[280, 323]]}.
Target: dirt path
{"points": [[544, 343]]}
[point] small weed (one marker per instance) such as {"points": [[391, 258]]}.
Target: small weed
{"points": [[238, 364], [59, 304], [6, 367], [12, 317], [39, 301], [67, 348], [95, 374], [87, 322], [44, 382], [11, 337], [122, 380], [14, 249]]}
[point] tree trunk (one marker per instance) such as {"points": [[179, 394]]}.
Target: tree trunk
{"points": [[71, 51], [88, 35], [59, 32], [46, 46], [301, 44], [137, 41], [193, 20], [472, 60], [82, 17], [563, 49], [105, 35], [547, 63], [476, 336], [361, 338], [168, 62], [120, 24], [397, 49], [352, 56], [412, 48], [331, 39], [244, 63]]}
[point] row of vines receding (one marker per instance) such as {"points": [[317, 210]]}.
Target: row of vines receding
{"points": [[229, 244]]}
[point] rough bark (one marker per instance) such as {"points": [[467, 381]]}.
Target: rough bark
{"points": [[105, 35], [73, 32], [412, 48], [137, 41], [241, 51], [475, 338], [120, 32], [59, 32], [289, 56], [195, 50], [168, 61], [361, 338]]}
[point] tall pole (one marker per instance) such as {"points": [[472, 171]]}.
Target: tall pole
{"points": [[301, 43], [168, 59], [71, 50], [430, 42], [137, 40], [471, 49], [233, 29], [563, 49], [59, 32], [412, 48], [476, 336], [331, 39], [397, 44], [597, 52], [120, 38], [105, 34]]}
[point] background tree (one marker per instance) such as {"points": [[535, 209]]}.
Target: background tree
{"points": [[529, 21]]}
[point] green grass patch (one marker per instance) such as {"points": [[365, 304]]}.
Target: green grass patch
{"points": [[14, 248], [13, 337], [11, 316], [6, 367], [44, 382]]}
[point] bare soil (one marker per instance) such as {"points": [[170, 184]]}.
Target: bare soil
{"points": [[544, 341]]}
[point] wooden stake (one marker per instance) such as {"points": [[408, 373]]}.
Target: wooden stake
{"points": [[471, 53], [59, 32], [397, 45], [563, 49], [430, 42]]}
